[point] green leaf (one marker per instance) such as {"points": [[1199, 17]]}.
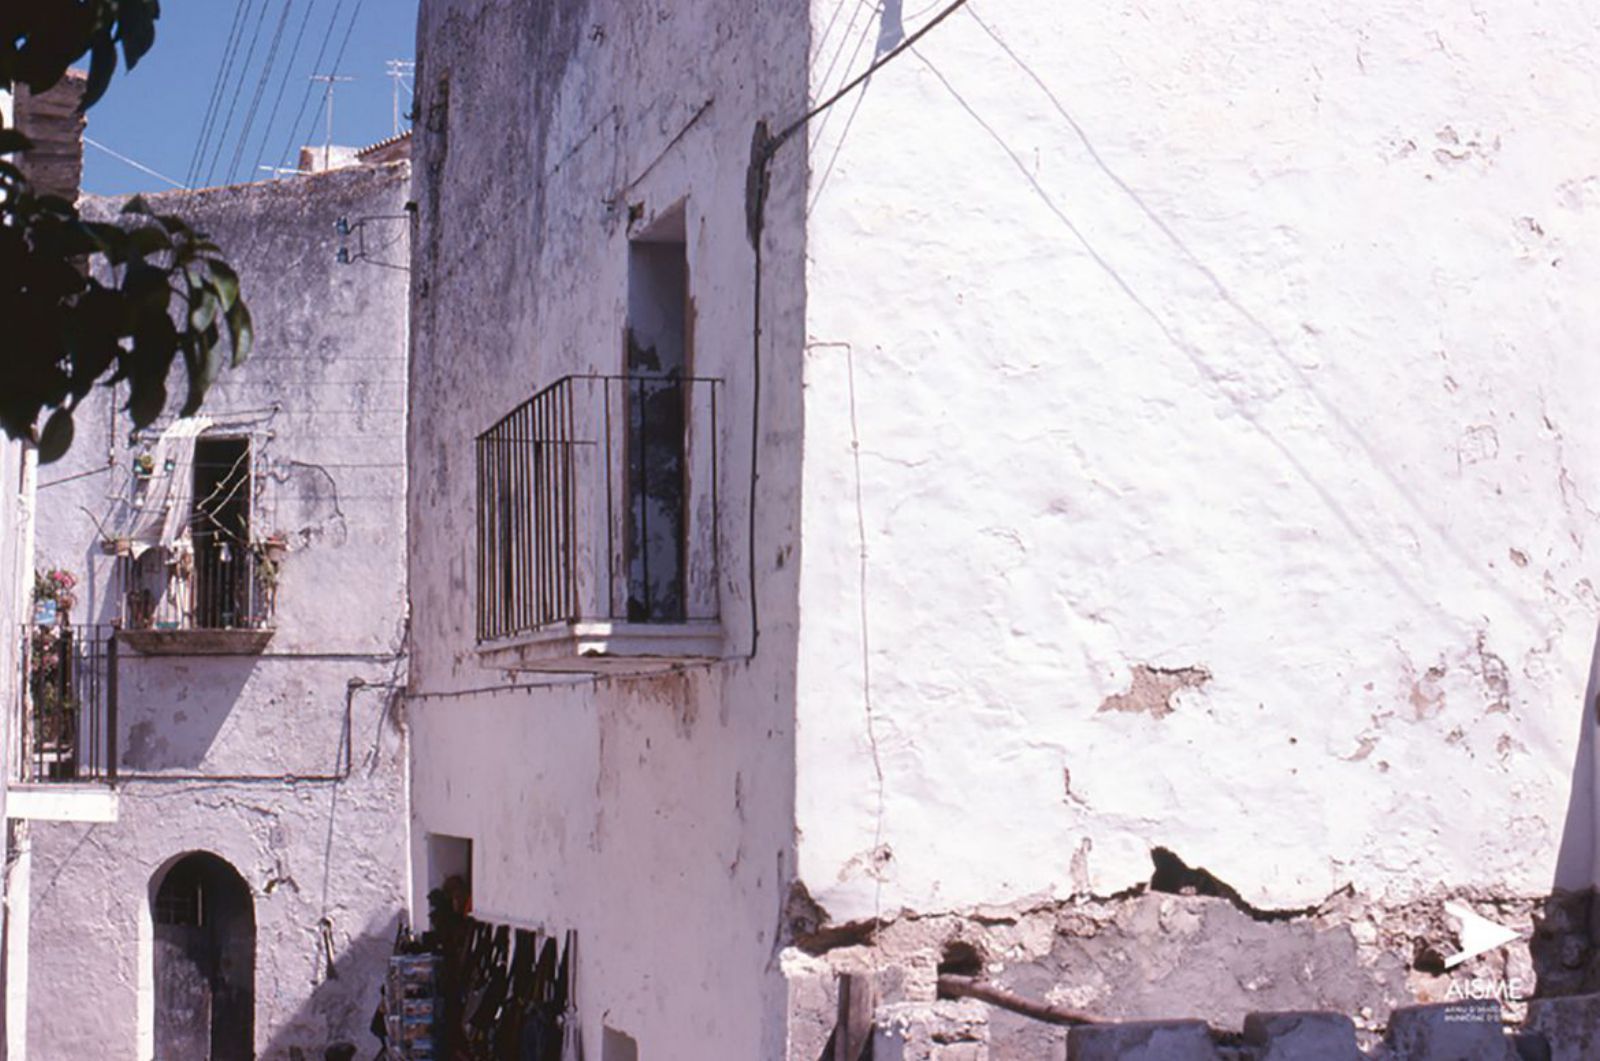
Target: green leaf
{"points": [[102, 64], [146, 399], [203, 364], [136, 27], [147, 286], [205, 311], [56, 436], [227, 281], [174, 224], [241, 332], [108, 236], [148, 239]]}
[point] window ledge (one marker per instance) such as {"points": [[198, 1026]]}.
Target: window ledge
{"points": [[604, 647], [193, 642]]}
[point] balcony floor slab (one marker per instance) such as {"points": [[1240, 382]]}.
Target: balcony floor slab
{"points": [[228, 642], [605, 647]]}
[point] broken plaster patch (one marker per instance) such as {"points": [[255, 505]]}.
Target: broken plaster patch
{"points": [[1153, 688]]}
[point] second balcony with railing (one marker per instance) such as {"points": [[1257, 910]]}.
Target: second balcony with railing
{"points": [[597, 526], [211, 592]]}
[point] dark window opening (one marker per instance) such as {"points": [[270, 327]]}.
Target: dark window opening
{"points": [[221, 532], [658, 356]]}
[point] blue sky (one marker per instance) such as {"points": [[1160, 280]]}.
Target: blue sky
{"points": [[156, 114]]}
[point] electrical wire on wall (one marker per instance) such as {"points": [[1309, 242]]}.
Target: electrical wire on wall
{"points": [[764, 146], [758, 180]]}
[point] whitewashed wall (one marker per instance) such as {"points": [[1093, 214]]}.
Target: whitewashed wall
{"points": [[1247, 341], [205, 741], [16, 576], [17, 499], [653, 816]]}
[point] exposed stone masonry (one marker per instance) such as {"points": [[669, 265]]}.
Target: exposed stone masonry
{"points": [[1207, 976]]}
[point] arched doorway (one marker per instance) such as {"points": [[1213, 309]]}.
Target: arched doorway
{"points": [[205, 953]]}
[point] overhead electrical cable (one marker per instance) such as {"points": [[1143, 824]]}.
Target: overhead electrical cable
{"points": [[140, 166], [338, 58], [261, 90], [238, 86], [316, 66], [283, 83], [224, 68]]}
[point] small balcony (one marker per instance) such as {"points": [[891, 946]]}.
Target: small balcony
{"points": [[69, 710], [597, 527], [212, 593]]}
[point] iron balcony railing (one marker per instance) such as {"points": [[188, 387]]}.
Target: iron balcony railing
{"points": [[68, 712], [214, 582], [597, 501]]}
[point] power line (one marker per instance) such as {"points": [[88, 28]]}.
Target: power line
{"points": [[223, 69], [305, 100], [140, 166], [283, 83], [261, 88], [338, 58], [884, 60], [244, 69]]}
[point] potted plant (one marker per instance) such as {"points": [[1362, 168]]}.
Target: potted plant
{"points": [[269, 553], [52, 596], [53, 696], [273, 546]]}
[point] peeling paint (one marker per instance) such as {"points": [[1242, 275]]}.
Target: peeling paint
{"points": [[1154, 689]]}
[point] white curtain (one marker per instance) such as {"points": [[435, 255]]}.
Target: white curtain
{"points": [[159, 512]]}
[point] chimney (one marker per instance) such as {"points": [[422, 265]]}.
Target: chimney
{"points": [[51, 120]]}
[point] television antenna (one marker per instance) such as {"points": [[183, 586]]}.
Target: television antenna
{"points": [[400, 71], [327, 145]]}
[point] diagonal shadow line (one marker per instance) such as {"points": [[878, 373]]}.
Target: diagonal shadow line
{"points": [[65, 861], [891, 31], [1228, 298], [838, 149], [867, 31], [820, 41], [1187, 349], [844, 42]]}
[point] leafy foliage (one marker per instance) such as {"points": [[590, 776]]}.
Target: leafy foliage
{"points": [[164, 289], [39, 39]]}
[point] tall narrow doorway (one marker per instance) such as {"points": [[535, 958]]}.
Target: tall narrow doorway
{"points": [[205, 943]]}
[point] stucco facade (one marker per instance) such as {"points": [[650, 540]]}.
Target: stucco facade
{"points": [[285, 760], [1203, 393], [1147, 436], [1220, 455], [651, 814]]}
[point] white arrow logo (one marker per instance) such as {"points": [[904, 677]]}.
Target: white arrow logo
{"points": [[1478, 934]]}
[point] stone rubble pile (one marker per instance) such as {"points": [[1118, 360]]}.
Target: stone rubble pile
{"points": [[1556, 1029]]}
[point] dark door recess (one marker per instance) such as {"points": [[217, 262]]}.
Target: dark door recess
{"points": [[205, 941]]}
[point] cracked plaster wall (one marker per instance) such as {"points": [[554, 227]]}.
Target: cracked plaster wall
{"points": [[654, 816], [330, 355], [1249, 342]]}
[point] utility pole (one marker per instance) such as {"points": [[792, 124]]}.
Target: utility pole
{"points": [[398, 71], [327, 145]]}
